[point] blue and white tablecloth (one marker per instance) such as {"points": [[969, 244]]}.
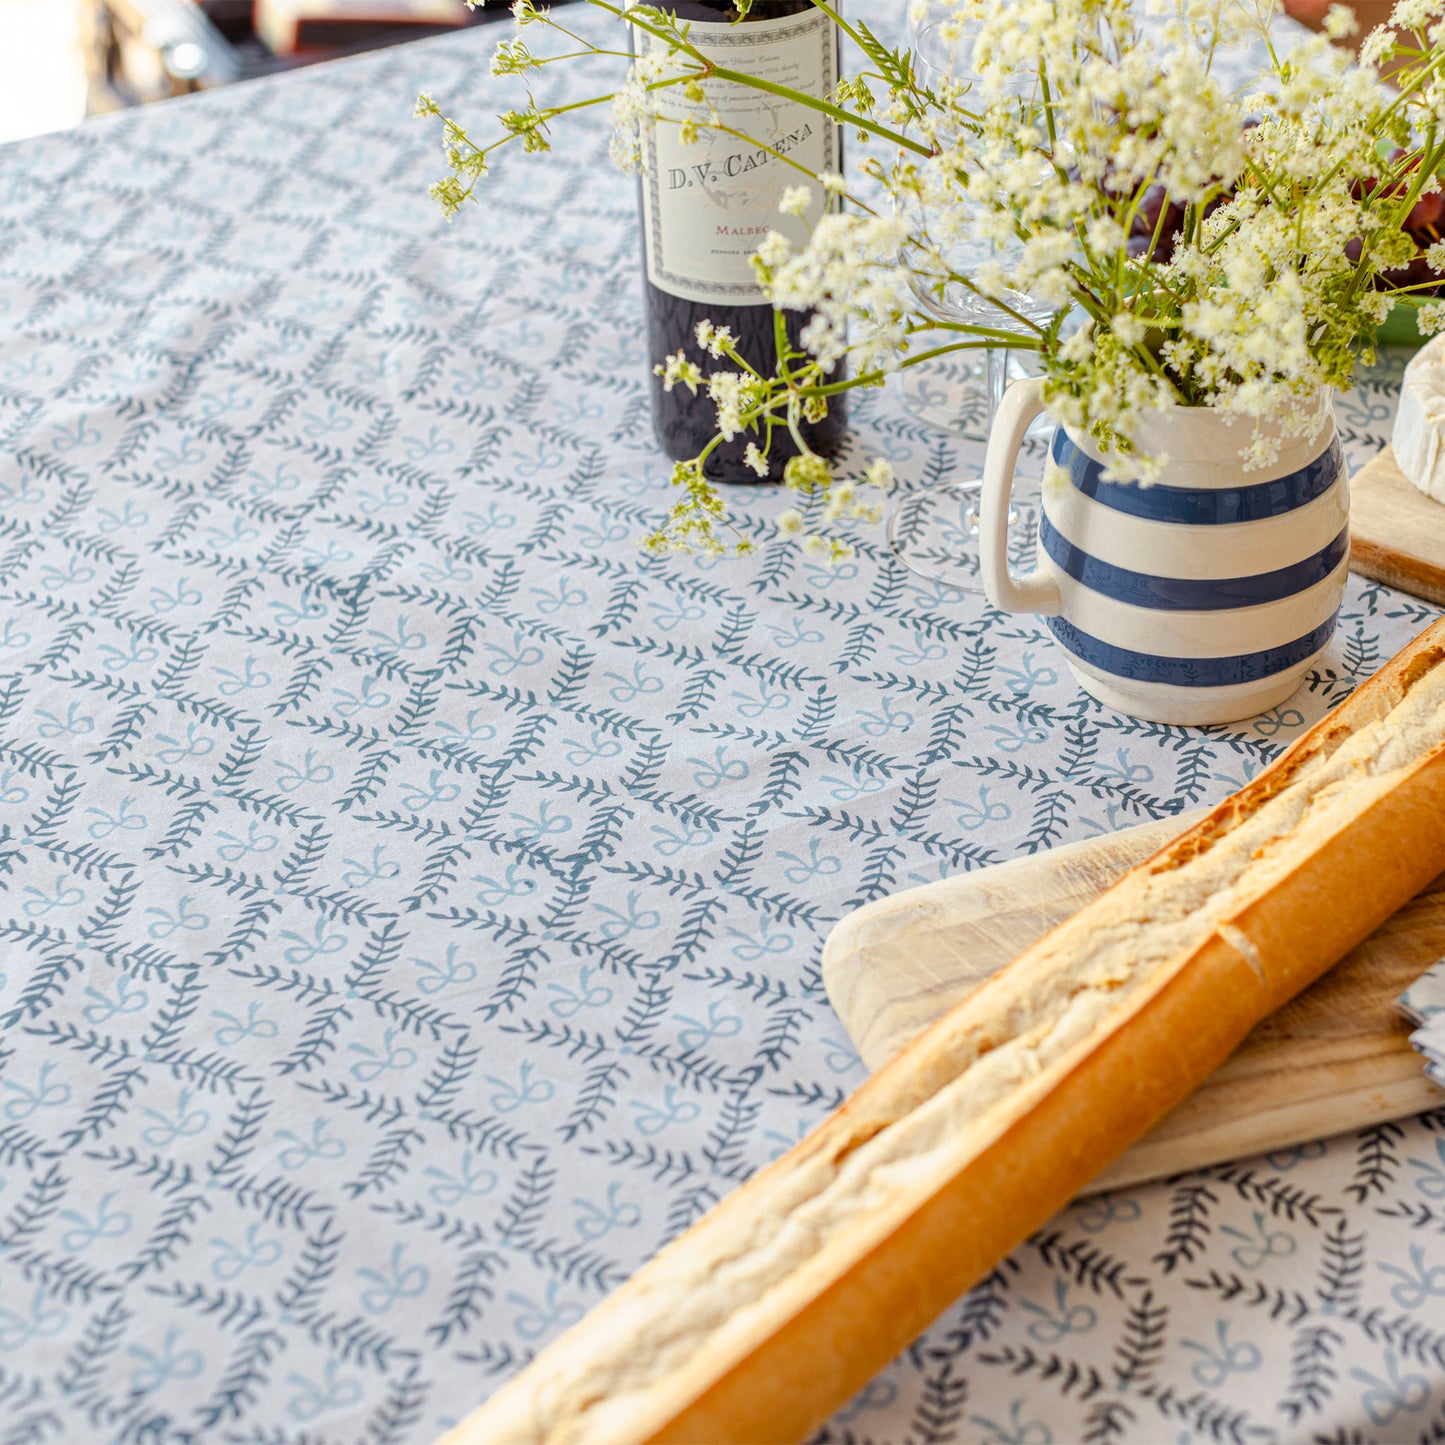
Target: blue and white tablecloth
{"points": [[411, 897]]}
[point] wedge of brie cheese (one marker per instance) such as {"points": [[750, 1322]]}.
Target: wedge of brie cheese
{"points": [[1419, 439]]}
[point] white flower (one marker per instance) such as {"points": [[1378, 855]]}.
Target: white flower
{"points": [[796, 200], [880, 474], [791, 522], [755, 460]]}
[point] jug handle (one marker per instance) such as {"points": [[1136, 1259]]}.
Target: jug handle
{"points": [[1037, 591]]}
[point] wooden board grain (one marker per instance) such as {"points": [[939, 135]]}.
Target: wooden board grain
{"points": [[1397, 533], [1338, 1057]]}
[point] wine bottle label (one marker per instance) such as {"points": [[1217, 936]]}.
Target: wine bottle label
{"points": [[707, 205]]}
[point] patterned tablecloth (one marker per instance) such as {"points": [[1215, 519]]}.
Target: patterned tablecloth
{"points": [[411, 897]]}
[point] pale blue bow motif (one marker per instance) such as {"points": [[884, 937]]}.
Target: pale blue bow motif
{"points": [[545, 823], [972, 815], [334, 421], [545, 1318], [1419, 1283], [1430, 1180], [79, 433], [361, 873], [128, 517], [878, 1394], [76, 722], [369, 698], [187, 453], [395, 1281], [859, 785], [213, 405], [129, 998], [779, 1143], [1278, 719], [762, 700], [1286, 1159], [304, 950], [1395, 1394], [11, 790], [375, 1062], [291, 776], [240, 534], [138, 653], [522, 654], [769, 941], [544, 461], [477, 729], [334, 553], [796, 634], [64, 894], [399, 640], [299, 1152], [254, 1252], [815, 865], [1102, 1210], [233, 1029], [181, 593], [109, 1223], [334, 1391], [471, 1181], [596, 1221], [496, 518], [674, 612], [436, 443], [511, 1096], [197, 743], [126, 819], [73, 576], [1015, 739], [1051, 1325], [183, 1122], [1015, 1431], [1265, 1243], [568, 1001], [710, 773], [719, 1024], [186, 918], [367, 371], [232, 847], [281, 480], [233, 682], [447, 569], [1030, 676], [516, 882], [438, 789], [920, 651], [389, 498], [601, 745], [434, 977], [652, 1118], [42, 1320], [641, 684], [888, 719], [563, 596], [672, 841], [1224, 1358]]}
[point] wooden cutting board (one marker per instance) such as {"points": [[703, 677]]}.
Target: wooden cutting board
{"points": [[1338, 1057], [1397, 533]]}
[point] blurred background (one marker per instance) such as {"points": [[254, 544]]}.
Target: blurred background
{"points": [[61, 60]]}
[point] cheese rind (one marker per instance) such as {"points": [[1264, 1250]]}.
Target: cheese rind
{"points": [[1419, 437]]}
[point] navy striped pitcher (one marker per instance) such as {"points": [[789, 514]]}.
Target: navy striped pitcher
{"points": [[1201, 598]]}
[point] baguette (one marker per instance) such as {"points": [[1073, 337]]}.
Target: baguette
{"points": [[797, 1288]]}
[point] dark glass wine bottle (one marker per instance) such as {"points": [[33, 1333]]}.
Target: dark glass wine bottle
{"points": [[707, 205]]}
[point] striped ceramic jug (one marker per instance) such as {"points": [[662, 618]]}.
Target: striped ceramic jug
{"points": [[1201, 598]]}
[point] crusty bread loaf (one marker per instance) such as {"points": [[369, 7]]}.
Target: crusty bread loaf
{"points": [[789, 1295]]}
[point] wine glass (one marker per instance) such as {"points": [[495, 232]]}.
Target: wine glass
{"points": [[934, 532]]}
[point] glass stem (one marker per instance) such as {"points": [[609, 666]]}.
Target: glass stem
{"points": [[997, 378]]}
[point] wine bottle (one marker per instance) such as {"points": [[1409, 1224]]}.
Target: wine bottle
{"points": [[707, 205]]}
